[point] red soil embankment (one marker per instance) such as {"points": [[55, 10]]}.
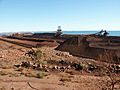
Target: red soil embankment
{"points": [[27, 43], [92, 46]]}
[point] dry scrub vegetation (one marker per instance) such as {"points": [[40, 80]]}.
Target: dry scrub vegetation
{"points": [[112, 72], [47, 69]]}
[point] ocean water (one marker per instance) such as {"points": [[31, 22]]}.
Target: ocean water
{"points": [[111, 33]]}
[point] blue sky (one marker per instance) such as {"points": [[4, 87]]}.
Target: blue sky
{"points": [[46, 15]]}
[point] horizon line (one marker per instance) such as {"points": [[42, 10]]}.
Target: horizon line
{"points": [[55, 31]]}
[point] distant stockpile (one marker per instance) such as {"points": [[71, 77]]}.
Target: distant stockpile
{"points": [[30, 42], [92, 46]]}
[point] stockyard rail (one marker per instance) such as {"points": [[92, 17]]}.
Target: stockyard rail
{"points": [[24, 43]]}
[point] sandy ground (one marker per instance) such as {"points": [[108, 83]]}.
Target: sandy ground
{"points": [[12, 78]]}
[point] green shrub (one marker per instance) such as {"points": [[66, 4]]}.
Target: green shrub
{"points": [[2, 73], [41, 75], [43, 62], [35, 54], [79, 66], [38, 54]]}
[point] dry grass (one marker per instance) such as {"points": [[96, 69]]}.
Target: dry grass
{"points": [[113, 77]]}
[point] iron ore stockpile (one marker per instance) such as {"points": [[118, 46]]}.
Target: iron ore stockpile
{"points": [[93, 46], [29, 41], [90, 46]]}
